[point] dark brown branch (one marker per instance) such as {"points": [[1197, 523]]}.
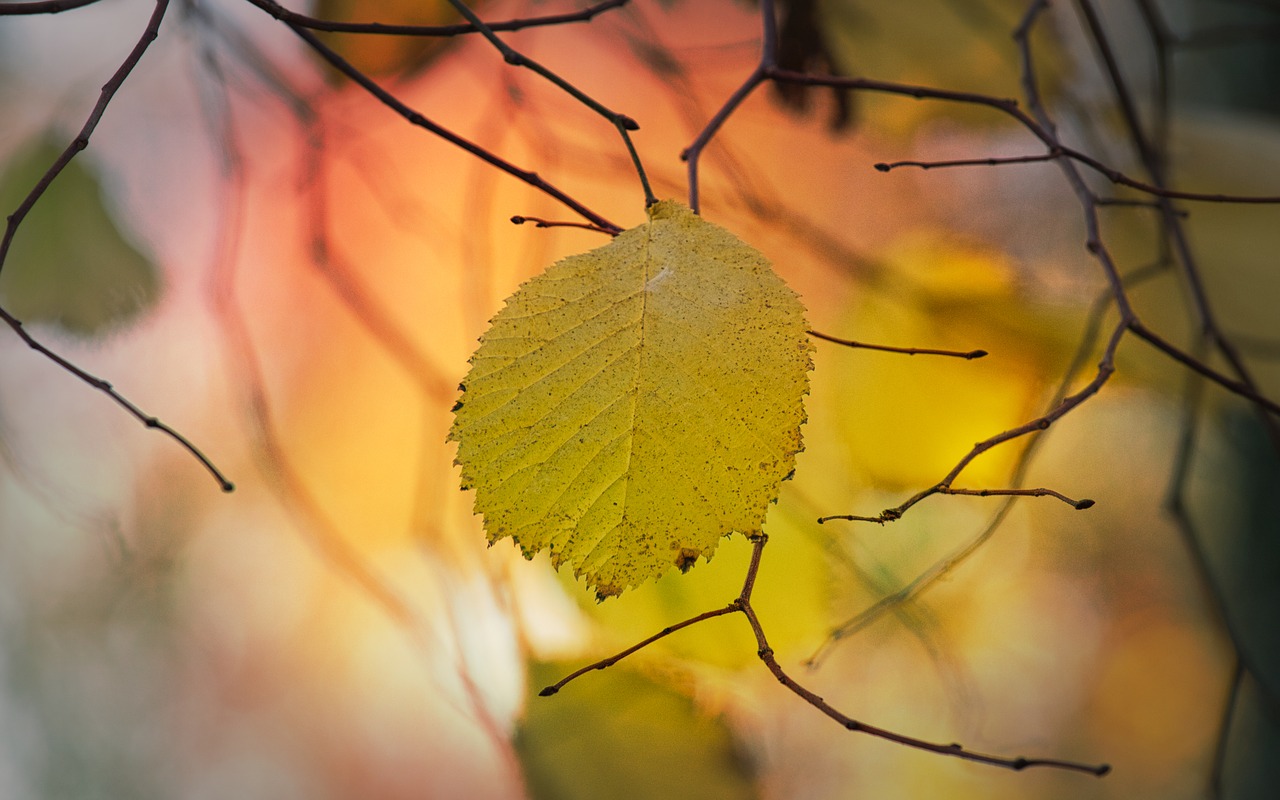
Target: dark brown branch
{"points": [[743, 604], [968, 355], [42, 7], [894, 514], [106, 388], [547, 223], [416, 118], [81, 141], [616, 657], [1126, 202], [849, 723], [1154, 165], [621, 122], [1078, 505], [1011, 108], [768, 57], [1106, 367], [969, 162], [1241, 388], [329, 26]]}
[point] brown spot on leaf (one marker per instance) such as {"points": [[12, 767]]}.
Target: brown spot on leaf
{"points": [[688, 556]]}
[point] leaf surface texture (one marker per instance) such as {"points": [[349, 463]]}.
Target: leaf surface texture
{"points": [[634, 404]]}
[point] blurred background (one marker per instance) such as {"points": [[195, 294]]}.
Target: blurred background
{"points": [[273, 262]]}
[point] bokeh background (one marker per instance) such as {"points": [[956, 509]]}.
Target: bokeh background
{"points": [[278, 266]]}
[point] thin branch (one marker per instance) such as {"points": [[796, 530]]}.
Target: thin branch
{"points": [[768, 57], [894, 514], [1106, 367], [743, 604], [894, 601], [106, 388], [1128, 202], [1079, 505], [15, 219], [42, 7], [416, 118], [969, 162], [1155, 167], [329, 26], [547, 223], [1241, 388], [1010, 107], [621, 122], [968, 355], [616, 657], [81, 141]]}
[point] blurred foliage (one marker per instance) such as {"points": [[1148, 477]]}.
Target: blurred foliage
{"points": [[622, 735], [70, 264]]}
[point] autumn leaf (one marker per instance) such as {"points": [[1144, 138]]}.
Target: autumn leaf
{"points": [[633, 405]]}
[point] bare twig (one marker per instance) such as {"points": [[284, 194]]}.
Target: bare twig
{"points": [[377, 28], [416, 118], [1011, 108], [768, 57], [743, 604], [621, 122], [106, 388], [547, 223], [42, 7], [968, 355], [894, 514], [81, 141], [15, 219], [969, 162]]}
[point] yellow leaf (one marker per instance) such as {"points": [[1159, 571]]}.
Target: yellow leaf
{"points": [[634, 404]]}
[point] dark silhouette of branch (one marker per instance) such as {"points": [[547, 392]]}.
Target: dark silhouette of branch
{"points": [[1011, 108], [417, 119], [330, 26], [42, 7], [1209, 327], [106, 388], [768, 57], [766, 654], [546, 223], [621, 122], [15, 219], [967, 355], [81, 141], [1106, 367], [895, 600], [968, 162]]}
